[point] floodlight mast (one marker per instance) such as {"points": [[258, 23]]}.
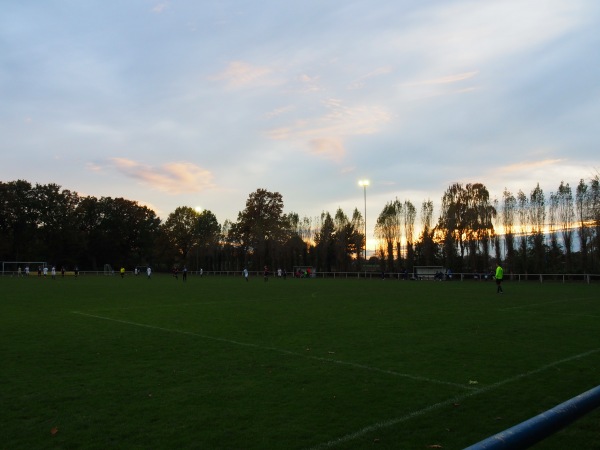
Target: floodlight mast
{"points": [[199, 210], [364, 184]]}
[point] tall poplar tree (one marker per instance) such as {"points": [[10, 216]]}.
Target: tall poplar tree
{"points": [[537, 218], [523, 216], [566, 216], [509, 207], [582, 212], [409, 214], [387, 230]]}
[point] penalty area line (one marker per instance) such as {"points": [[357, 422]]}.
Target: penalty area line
{"points": [[278, 350], [420, 412]]}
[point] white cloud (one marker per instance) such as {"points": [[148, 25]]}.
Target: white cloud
{"points": [[445, 79], [160, 7], [412, 95], [528, 166], [240, 74], [329, 148], [173, 178], [324, 135], [279, 111], [360, 81]]}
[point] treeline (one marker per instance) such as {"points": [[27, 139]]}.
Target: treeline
{"points": [[528, 232]]}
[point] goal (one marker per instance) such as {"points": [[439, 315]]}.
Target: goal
{"points": [[429, 273]]}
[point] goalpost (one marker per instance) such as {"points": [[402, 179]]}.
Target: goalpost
{"points": [[12, 267], [429, 273], [108, 270]]}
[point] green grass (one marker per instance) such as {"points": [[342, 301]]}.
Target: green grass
{"points": [[297, 364]]}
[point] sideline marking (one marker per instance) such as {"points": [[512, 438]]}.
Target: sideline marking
{"points": [[278, 350], [456, 399]]}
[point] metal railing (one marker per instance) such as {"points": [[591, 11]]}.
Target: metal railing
{"points": [[400, 276], [532, 431]]}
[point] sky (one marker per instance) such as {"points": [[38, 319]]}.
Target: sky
{"points": [[200, 103]]}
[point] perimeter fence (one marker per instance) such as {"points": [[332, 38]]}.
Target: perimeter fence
{"points": [[393, 276]]}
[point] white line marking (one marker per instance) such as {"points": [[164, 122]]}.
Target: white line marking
{"points": [[278, 350], [456, 399], [378, 425]]}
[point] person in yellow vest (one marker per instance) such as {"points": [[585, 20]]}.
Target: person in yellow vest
{"points": [[122, 272], [499, 277]]}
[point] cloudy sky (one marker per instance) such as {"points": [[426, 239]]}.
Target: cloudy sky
{"points": [[200, 103]]}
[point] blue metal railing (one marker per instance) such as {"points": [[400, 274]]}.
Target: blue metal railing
{"points": [[527, 433]]}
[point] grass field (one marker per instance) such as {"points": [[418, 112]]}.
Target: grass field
{"points": [[218, 363]]}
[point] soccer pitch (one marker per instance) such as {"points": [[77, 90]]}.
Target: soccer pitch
{"points": [[217, 363]]}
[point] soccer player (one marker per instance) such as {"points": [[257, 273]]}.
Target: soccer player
{"points": [[499, 277], [245, 273]]}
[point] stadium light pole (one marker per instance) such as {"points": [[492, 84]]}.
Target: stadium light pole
{"points": [[198, 210], [364, 184]]}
